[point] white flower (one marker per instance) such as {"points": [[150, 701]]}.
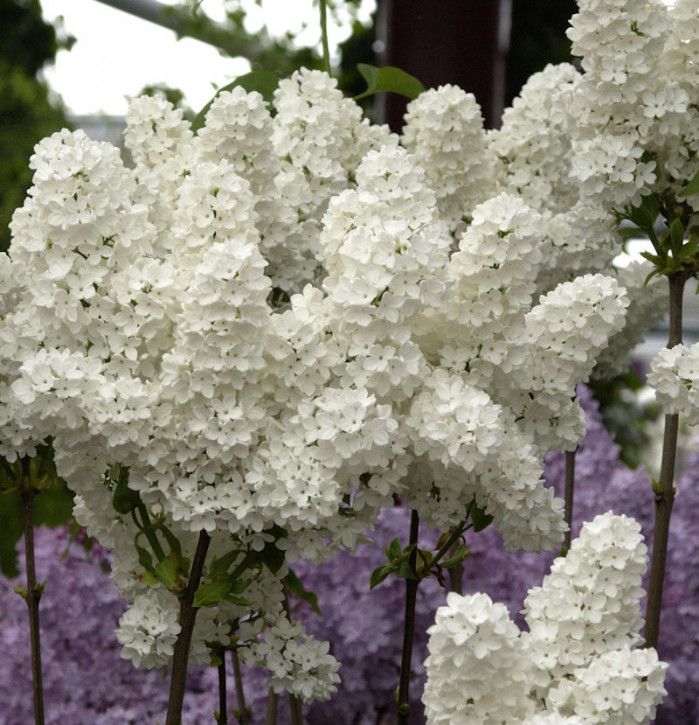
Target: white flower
{"points": [[444, 131], [579, 662], [148, 629], [675, 377], [297, 663]]}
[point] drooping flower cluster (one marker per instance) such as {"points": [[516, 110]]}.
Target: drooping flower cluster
{"points": [[579, 659]]}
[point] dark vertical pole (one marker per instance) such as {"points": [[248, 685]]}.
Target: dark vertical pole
{"points": [[463, 42]]}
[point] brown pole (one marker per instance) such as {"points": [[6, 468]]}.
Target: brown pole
{"points": [[463, 42]]}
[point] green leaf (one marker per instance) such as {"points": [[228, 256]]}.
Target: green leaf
{"points": [[220, 566], [691, 188], [405, 571], [240, 601], [295, 586], [645, 215], [168, 571], [458, 555], [262, 81], [676, 237], [211, 593], [145, 559], [690, 250], [654, 258], [124, 499], [54, 505], [10, 532], [393, 550], [172, 541], [481, 520], [379, 574], [388, 80], [272, 557]]}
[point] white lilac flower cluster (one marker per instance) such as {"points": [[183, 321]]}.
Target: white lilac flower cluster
{"points": [[634, 107], [297, 663], [444, 132], [580, 660], [674, 375], [266, 324]]}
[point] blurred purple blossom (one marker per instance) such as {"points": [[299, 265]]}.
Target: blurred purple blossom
{"points": [[85, 680]]}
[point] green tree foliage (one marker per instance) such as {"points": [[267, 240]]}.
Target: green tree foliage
{"points": [[27, 110]]}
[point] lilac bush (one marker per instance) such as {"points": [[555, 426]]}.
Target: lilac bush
{"points": [[87, 681]]}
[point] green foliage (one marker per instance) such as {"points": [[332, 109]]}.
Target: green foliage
{"points": [[264, 82], [296, 587], [388, 80], [27, 114], [52, 505], [271, 556], [27, 42], [626, 421], [398, 563], [458, 554], [666, 223], [691, 188], [480, 519], [211, 593]]}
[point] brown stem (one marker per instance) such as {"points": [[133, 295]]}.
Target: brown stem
{"points": [[272, 700], [664, 491], [243, 712], [408, 625], [296, 710], [33, 594], [456, 578], [569, 495], [188, 615], [222, 718]]}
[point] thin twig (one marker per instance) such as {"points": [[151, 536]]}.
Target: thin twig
{"points": [[296, 710], [33, 593], [569, 496], [324, 35], [409, 623], [272, 701], [665, 491], [456, 578], [222, 718], [243, 712], [188, 614]]}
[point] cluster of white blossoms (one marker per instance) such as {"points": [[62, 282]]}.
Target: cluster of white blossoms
{"points": [[444, 132], [277, 323], [633, 108], [580, 660], [297, 663], [674, 375]]}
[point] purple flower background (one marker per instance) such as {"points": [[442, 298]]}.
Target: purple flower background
{"points": [[87, 682]]}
